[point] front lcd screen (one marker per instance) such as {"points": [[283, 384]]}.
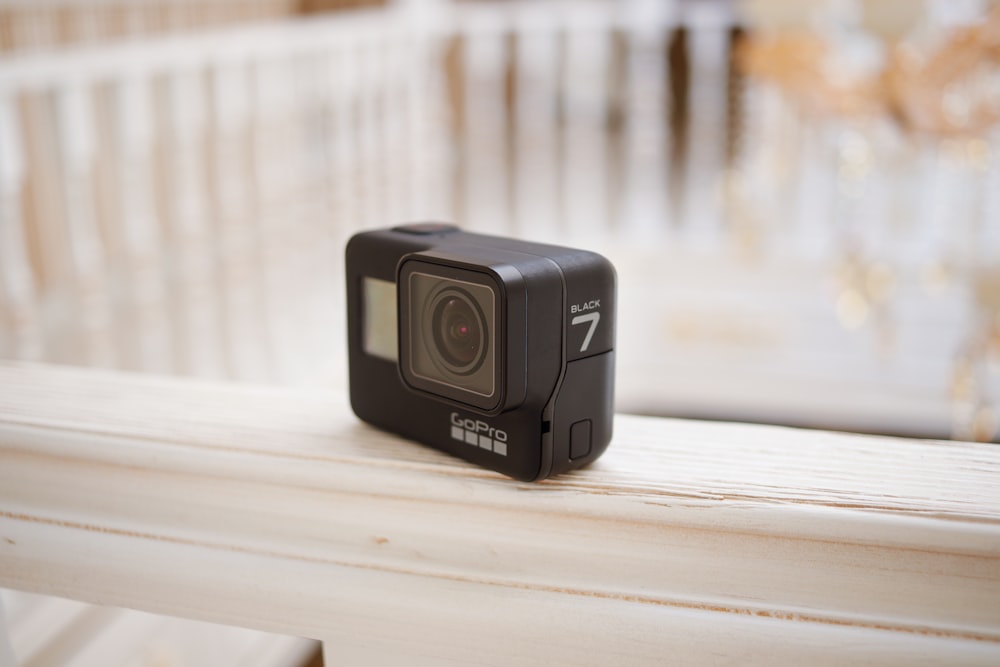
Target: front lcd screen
{"points": [[379, 337]]}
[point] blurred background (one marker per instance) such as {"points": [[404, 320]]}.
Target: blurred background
{"points": [[802, 199]]}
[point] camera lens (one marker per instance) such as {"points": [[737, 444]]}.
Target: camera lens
{"points": [[449, 331], [459, 331]]}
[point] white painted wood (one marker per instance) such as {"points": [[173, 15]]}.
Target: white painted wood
{"points": [[687, 542], [82, 307], [433, 160], [36, 623], [645, 208], [344, 177], [370, 141], [584, 87], [397, 107], [6, 650], [192, 299], [536, 125], [236, 221], [47, 631], [141, 328], [484, 123], [708, 348], [708, 50], [20, 331]]}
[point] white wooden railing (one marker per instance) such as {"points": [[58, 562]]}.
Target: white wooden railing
{"points": [[687, 543], [166, 203]]}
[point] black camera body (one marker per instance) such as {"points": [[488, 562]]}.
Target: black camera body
{"points": [[495, 350]]}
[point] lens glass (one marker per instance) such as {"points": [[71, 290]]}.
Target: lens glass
{"points": [[458, 328], [451, 335]]}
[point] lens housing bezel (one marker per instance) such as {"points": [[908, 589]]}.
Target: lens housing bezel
{"points": [[415, 327]]}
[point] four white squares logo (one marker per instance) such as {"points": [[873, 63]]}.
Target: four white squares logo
{"points": [[472, 437]]}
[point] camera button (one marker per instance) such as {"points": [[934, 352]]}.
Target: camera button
{"points": [[579, 439], [425, 228]]}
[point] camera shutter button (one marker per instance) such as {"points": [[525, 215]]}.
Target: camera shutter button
{"points": [[579, 439], [426, 228]]}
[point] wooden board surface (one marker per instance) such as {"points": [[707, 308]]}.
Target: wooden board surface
{"points": [[276, 509]]}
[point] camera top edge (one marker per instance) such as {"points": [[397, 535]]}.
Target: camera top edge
{"points": [[423, 236]]}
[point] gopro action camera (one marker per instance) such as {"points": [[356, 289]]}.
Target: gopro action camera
{"points": [[495, 350]]}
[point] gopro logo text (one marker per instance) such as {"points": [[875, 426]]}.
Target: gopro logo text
{"points": [[478, 433]]}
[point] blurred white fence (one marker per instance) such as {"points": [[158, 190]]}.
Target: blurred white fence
{"points": [[180, 205]]}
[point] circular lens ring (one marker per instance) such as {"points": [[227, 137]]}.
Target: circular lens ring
{"points": [[454, 315]]}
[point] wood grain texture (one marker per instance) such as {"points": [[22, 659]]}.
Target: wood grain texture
{"points": [[688, 542]]}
